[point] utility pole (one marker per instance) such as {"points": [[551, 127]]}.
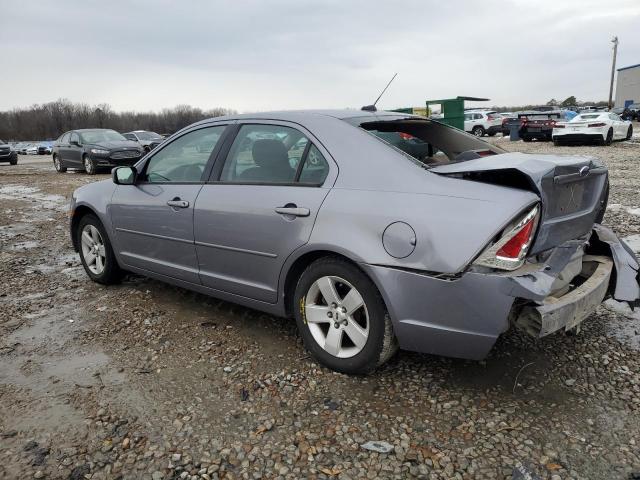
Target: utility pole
{"points": [[613, 69]]}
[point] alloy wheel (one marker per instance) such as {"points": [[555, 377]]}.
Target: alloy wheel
{"points": [[337, 316], [93, 249], [88, 165]]}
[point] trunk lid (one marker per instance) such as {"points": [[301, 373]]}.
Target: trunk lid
{"points": [[572, 190]]}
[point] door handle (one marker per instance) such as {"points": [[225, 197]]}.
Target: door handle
{"points": [[295, 211], [177, 203]]}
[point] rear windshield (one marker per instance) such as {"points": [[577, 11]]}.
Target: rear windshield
{"points": [[586, 117], [426, 142]]}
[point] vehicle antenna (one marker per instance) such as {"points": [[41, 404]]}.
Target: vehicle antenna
{"points": [[372, 107]]}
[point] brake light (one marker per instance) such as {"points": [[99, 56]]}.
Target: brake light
{"points": [[405, 136], [596, 125], [508, 253], [518, 244]]}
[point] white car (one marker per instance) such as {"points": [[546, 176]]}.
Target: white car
{"points": [[601, 127], [481, 122], [31, 150]]}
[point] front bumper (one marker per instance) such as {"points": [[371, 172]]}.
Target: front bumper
{"points": [[110, 162], [463, 316]]}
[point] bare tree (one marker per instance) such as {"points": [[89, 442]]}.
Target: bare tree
{"points": [[50, 120]]}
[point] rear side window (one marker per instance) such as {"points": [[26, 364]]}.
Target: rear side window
{"points": [[273, 154]]}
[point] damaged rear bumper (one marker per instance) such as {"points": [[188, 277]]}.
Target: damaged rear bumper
{"points": [[569, 310], [463, 316]]}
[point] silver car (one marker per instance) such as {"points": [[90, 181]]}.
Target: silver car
{"points": [[374, 230]]}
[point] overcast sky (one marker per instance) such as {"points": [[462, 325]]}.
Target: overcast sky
{"points": [[253, 55]]}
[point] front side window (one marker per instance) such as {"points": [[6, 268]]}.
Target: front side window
{"points": [[64, 138], [184, 159], [74, 137], [265, 154]]}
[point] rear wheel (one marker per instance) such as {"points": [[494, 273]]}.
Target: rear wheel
{"points": [[57, 163], [629, 133], [89, 165], [14, 160], [96, 252], [342, 318], [556, 142], [478, 131], [609, 137], [527, 139]]}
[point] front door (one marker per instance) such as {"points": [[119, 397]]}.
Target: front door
{"points": [[260, 207], [153, 219]]}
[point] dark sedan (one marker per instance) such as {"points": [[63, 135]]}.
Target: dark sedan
{"points": [[92, 149], [7, 154]]}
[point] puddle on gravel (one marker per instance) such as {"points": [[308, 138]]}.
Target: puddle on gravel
{"points": [[21, 192], [625, 327], [27, 245], [634, 242]]}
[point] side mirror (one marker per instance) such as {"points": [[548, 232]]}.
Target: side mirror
{"points": [[124, 175]]}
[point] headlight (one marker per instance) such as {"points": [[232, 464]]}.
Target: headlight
{"points": [[98, 151]]}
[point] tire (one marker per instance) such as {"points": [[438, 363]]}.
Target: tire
{"points": [[609, 139], [14, 160], [103, 267], [556, 142], [374, 341], [527, 139], [478, 131], [89, 165], [629, 133], [491, 134], [57, 164]]}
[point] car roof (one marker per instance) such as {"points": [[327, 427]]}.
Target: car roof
{"points": [[294, 115]]}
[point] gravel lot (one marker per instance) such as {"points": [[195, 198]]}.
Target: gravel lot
{"points": [[145, 380]]}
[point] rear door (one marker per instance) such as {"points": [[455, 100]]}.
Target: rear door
{"points": [[259, 206], [63, 147], [153, 219], [74, 155]]}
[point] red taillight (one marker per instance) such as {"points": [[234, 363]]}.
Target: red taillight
{"points": [[518, 244], [510, 250], [596, 125], [405, 136]]}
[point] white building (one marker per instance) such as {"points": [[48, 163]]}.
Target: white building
{"points": [[628, 86]]}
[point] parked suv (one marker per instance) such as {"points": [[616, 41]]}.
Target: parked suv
{"points": [[148, 140], [7, 154], [89, 150], [482, 122]]}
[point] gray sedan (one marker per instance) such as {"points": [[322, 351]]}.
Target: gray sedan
{"points": [[374, 230]]}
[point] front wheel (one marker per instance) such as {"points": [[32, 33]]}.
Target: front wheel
{"points": [[14, 160], [96, 253], [57, 163], [478, 131], [89, 165], [342, 318], [629, 133]]}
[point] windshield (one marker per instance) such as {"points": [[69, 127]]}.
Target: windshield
{"points": [[98, 136], [426, 142], [148, 136]]}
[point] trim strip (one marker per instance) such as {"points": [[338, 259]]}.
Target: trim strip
{"points": [[154, 235], [235, 249]]}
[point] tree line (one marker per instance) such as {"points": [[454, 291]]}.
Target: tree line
{"points": [[48, 121]]}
